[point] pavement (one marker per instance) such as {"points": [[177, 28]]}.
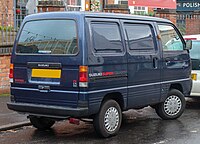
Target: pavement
{"points": [[10, 119]]}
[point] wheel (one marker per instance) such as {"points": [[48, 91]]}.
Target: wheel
{"points": [[173, 106], [41, 123], [108, 121]]}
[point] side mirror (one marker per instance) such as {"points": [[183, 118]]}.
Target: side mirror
{"points": [[188, 45]]}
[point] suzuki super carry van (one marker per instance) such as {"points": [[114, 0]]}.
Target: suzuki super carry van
{"points": [[97, 65]]}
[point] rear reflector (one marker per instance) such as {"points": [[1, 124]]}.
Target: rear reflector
{"points": [[11, 73], [83, 76]]}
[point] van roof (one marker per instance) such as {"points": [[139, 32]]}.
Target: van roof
{"points": [[93, 14], [192, 37]]}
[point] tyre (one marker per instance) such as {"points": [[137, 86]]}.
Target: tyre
{"points": [[108, 121], [173, 106], [41, 123]]}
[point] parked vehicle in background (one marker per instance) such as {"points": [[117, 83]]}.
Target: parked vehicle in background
{"points": [[96, 65], [195, 57]]}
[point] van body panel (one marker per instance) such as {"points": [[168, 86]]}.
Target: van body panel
{"points": [[144, 64], [96, 98], [176, 65], [61, 91], [107, 71], [176, 70], [132, 71], [173, 65]]}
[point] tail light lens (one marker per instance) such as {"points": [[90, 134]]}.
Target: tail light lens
{"points": [[11, 72], [83, 76]]}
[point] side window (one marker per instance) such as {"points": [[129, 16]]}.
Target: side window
{"points": [[140, 37], [170, 39], [106, 37]]}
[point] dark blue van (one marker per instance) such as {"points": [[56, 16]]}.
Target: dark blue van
{"points": [[97, 65]]}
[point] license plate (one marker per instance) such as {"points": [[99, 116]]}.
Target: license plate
{"points": [[46, 73], [194, 76]]}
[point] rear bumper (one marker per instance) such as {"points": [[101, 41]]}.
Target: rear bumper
{"points": [[48, 111], [195, 95]]}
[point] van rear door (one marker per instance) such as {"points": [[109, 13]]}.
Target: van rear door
{"points": [[46, 63]]}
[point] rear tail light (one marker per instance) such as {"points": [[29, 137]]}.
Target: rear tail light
{"points": [[83, 76], [11, 72]]}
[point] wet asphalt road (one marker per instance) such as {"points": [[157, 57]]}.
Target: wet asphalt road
{"points": [[8, 116], [139, 127]]}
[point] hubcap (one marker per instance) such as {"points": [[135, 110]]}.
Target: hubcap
{"points": [[111, 119], [172, 105]]}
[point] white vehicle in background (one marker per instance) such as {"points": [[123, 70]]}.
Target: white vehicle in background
{"points": [[195, 57]]}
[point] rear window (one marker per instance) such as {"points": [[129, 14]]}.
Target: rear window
{"points": [[48, 37]]}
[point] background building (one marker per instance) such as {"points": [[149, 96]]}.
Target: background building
{"points": [[24, 7], [139, 10], [186, 16], [6, 12]]}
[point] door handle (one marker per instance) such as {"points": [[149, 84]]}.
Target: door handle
{"points": [[167, 59], [155, 62]]}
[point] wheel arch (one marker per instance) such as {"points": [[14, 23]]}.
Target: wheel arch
{"points": [[117, 96], [176, 86]]}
